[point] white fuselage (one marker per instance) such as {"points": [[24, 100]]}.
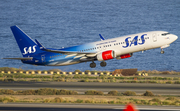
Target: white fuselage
{"points": [[152, 40], [122, 45]]}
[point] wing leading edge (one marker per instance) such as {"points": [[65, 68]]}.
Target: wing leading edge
{"points": [[63, 51]]}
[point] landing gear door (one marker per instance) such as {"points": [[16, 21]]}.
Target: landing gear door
{"points": [[154, 37]]}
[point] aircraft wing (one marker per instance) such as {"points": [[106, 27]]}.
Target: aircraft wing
{"points": [[88, 54], [62, 51], [22, 58]]}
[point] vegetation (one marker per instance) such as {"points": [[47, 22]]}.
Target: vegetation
{"points": [[42, 91], [9, 69], [129, 93], [93, 92], [47, 95], [148, 93], [94, 77], [86, 78], [93, 99], [115, 93], [77, 71]]}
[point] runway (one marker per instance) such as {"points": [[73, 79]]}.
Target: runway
{"points": [[81, 87], [78, 107]]}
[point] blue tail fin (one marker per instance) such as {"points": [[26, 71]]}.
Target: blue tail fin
{"points": [[27, 46]]}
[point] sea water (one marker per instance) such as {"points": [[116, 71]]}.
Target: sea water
{"points": [[64, 23]]}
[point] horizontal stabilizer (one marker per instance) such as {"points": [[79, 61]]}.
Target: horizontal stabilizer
{"points": [[23, 58]]}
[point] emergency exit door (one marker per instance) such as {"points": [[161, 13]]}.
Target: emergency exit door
{"points": [[154, 37]]}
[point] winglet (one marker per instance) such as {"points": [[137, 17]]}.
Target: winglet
{"points": [[39, 44], [102, 38]]}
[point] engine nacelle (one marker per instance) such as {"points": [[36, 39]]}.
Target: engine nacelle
{"points": [[124, 56], [106, 55]]}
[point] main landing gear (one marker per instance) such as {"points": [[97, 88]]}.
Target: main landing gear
{"points": [[93, 65], [103, 64], [162, 52]]}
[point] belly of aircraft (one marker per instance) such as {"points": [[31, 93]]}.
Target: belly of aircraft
{"points": [[63, 63]]}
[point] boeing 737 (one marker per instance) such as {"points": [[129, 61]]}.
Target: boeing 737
{"points": [[35, 53]]}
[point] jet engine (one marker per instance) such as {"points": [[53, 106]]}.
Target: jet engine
{"points": [[125, 56], [110, 54]]}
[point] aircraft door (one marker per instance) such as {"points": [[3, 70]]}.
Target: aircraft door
{"points": [[154, 37], [43, 58]]}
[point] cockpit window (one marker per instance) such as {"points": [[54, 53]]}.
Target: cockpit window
{"points": [[164, 34]]}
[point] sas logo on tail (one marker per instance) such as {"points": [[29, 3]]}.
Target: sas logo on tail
{"points": [[135, 41], [29, 50]]}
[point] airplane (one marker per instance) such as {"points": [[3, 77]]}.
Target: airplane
{"points": [[35, 53]]}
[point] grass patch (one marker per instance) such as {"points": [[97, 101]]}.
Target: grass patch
{"points": [[42, 91], [93, 99], [93, 92], [115, 93], [171, 98], [148, 93], [87, 78], [129, 93]]}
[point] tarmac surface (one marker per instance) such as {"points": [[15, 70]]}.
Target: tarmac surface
{"points": [[81, 87], [78, 107]]}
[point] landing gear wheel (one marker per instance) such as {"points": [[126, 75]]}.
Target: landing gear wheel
{"points": [[103, 64], [162, 52], [93, 65]]}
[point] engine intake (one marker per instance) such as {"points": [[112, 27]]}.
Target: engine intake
{"points": [[106, 55]]}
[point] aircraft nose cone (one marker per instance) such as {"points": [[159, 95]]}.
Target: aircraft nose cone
{"points": [[173, 38], [176, 37]]}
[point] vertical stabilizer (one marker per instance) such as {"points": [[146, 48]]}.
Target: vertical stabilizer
{"points": [[27, 46]]}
